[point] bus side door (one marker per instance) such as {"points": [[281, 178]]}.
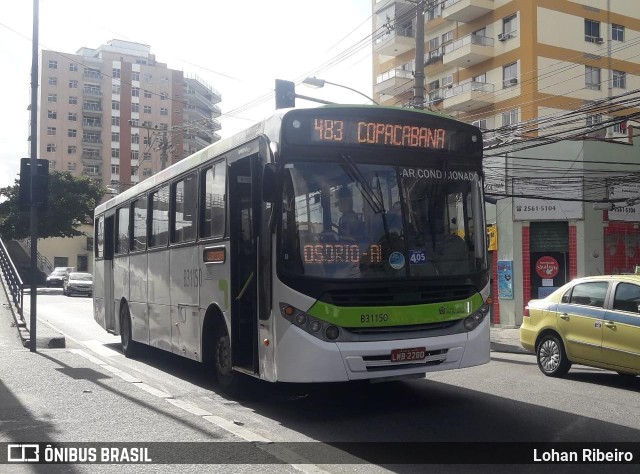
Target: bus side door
{"points": [[244, 221]]}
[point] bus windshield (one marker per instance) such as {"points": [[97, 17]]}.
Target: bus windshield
{"points": [[377, 221]]}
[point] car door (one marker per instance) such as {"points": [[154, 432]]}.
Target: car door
{"points": [[621, 331], [580, 315]]}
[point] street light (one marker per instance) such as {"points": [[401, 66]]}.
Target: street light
{"points": [[318, 83]]}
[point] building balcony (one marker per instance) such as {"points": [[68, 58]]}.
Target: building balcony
{"points": [[396, 43], [92, 76], [468, 51], [468, 96], [92, 125], [93, 109], [91, 92], [466, 11], [390, 82], [91, 161]]}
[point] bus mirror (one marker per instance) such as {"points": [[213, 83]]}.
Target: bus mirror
{"points": [[269, 183]]}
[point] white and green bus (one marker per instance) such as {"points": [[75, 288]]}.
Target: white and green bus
{"points": [[240, 256]]}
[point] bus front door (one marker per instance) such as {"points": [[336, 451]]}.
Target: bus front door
{"points": [[244, 209]]}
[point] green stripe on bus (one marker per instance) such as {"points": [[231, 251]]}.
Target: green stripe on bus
{"points": [[381, 316]]}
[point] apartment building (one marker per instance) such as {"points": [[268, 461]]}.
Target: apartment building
{"points": [[500, 63], [118, 116]]}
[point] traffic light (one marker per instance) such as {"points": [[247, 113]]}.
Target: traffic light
{"points": [[285, 94], [41, 185]]}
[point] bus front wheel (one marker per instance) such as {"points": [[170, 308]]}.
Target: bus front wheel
{"points": [[227, 379], [129, 346]]}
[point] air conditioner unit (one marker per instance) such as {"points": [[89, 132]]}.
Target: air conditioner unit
{"points": [[503, 36], [598, 40], [510, 82]]}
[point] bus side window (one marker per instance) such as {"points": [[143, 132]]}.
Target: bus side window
{"points": [[212, 201], [122, 231], [159, 217], [139, 209], [184, 199]]}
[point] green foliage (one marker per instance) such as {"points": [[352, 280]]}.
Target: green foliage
{"points": [[71, 203]]}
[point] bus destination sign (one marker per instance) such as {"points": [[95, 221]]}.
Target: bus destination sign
{"points": [[326, 130]]}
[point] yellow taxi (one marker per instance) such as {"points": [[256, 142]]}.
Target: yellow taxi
{"points": [[592, 321]]}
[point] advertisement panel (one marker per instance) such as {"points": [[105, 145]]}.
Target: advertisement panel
{"points": [[623, 212]]}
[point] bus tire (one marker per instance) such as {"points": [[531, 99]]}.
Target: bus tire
{"points": [[225, 376], [129, 346]]}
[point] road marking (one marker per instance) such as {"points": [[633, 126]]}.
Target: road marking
{"points": [[152, 390], [190, 407], [100, 349]]}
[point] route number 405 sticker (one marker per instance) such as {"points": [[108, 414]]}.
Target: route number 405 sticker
{"points": [[416, 257]]}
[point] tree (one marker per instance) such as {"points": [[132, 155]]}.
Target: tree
{"points": [[71, 202]]}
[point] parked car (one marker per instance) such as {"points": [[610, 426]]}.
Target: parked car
{"points": [[593, 321], [78, 283], [57, 276]]}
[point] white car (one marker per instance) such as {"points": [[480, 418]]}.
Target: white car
{"points": [[78, 283]]}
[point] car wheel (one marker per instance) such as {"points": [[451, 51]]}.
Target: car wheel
{"points": [[551, 356], [228, 381], [129, 346]]}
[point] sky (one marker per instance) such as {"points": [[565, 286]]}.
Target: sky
{"points": [[238, 48]]}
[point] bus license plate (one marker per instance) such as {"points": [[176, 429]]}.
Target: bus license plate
{"points": [[405, 355]]}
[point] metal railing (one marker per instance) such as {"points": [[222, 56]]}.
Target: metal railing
{"points": [[42, 262], [469, 39], [472, 86], [12, 279]]}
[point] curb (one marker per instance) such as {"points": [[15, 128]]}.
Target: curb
{"points": [[508, 348]]}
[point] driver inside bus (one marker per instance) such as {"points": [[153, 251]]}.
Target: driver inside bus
{"points": [[349, 224]]}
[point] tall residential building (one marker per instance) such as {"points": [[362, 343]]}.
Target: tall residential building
{"points": [[117, 115], [513, 66]]}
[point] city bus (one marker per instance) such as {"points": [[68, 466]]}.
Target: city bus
{"points": [[238, 256]]}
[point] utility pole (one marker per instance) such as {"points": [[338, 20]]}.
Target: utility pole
{"points": [[33, 223], [418, 88], [164, 147]]}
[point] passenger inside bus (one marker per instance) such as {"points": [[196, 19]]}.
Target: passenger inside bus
{"points": [[349, 224]]}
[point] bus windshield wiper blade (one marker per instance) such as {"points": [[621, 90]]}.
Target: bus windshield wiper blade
{"points": [[354, 173]]}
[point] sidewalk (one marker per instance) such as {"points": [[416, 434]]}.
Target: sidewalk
{"points": [[506, 340]]}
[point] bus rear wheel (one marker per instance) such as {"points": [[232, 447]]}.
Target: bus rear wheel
{"points": [[223, 368], [129, 346]]}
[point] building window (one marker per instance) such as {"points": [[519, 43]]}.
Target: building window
{"points": [[52, 114], [146, 140], [135, 107], [509, 27], [53, 81], [52, 166], [617, 32], [481, 124], [134, 171], [115, 121], [510, 117], [592, 120], [72, 117], [51, 130], [115, 169], [146, 172], [147, 94], [53, 64], [72, 133], [620, 127], [115, 137], [135, 76], [148, 78], [592, 78], [146, 157], [147, 109], [71, 166], [73, 67], [164, 95], [135, 92], [115, 153], [115, 89], [164, 111], [51, 147], [619, 79], [73, 84], [115, 73], [72, 150], [135, 138], [447, 37], [592, 31], [510, 75], [115, 105], [52, 98], [135, 155], [73, 100]]}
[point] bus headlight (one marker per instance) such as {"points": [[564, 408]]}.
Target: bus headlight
{"points": [[474, 319], [332, 333], [300, 319], [316, 327]]}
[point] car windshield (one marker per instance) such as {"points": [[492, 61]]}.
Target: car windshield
{"points": [[80, 276], [349, 220], [57, 272]]}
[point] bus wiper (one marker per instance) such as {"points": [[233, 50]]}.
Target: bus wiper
{"points": [[369, 195]]}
